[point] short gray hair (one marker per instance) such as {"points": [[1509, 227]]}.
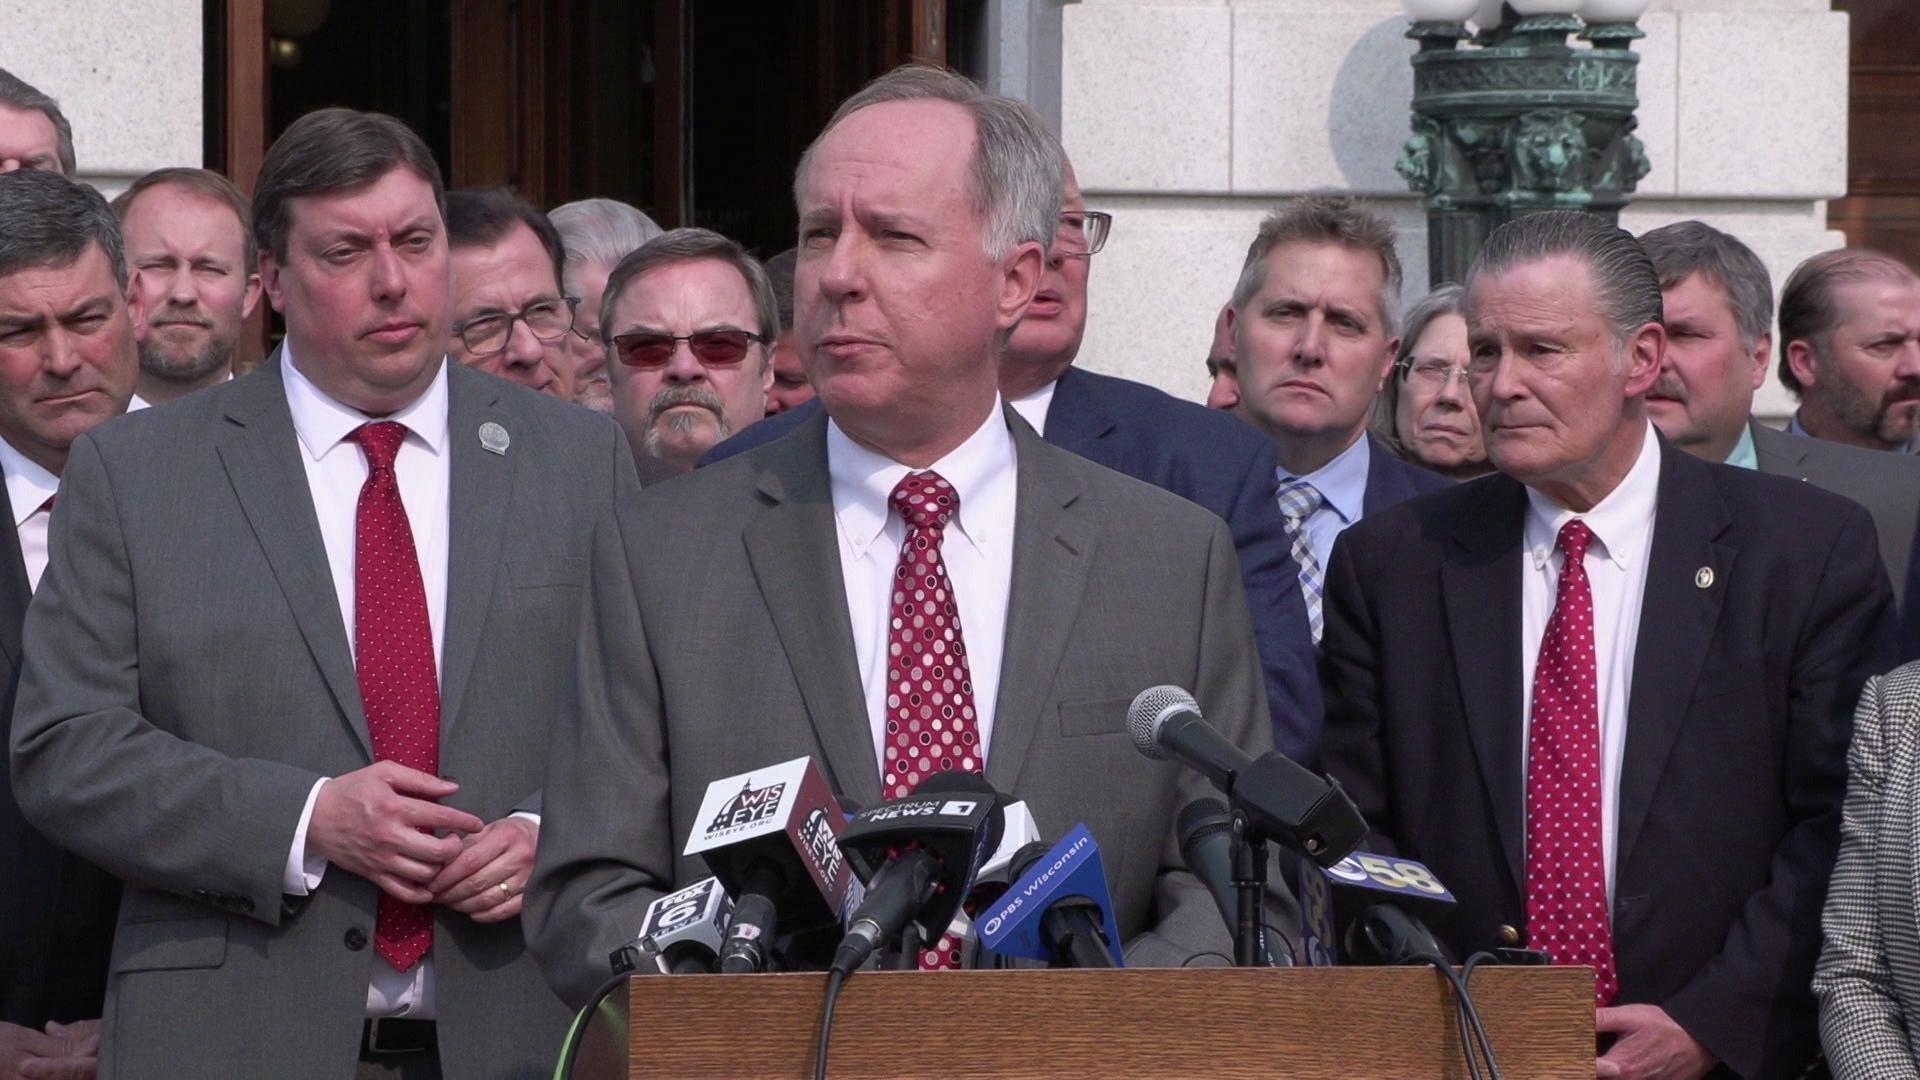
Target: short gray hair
{"points": [[15, 93], [1016, 179], [1685, 248], [780, 270], [600, 231], [1445, 300], [689, 245], [1325, 219], [49, 220], [1626, 288]]}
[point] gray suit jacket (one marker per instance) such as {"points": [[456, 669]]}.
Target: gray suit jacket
{"points": [[1868, 979], [1888, 485], [717, 641], [187, 680]]}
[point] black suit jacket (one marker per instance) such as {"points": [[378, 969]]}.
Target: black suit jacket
{"points": [[56, 909], [1766, 608], [1205, 457]]}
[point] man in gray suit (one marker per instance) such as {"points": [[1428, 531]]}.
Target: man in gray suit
{"points": [[291, 666], [746, 615], [1719, 317]]}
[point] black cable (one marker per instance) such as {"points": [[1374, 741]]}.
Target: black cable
{"points": [[835, 980], [571, 1049], [1472, 1013]]}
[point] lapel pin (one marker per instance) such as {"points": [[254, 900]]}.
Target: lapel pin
{"points": [[493, 438], [1703, 578]]}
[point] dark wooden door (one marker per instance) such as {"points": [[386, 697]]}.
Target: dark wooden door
{"points": [[1882, 207]]}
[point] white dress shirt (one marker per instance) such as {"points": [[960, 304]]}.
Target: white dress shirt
{"points": [[1034, 407], [28, 488], [1342, 483], [336, 471], [977, 549], [1622, 525]]}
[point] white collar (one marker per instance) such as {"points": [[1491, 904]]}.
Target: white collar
{"points": [[322, 422], [980, 469], [1033, 408], [1622, 522], [29, 485]]}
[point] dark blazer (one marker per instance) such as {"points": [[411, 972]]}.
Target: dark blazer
{"points": [[1391, 481], [1117, 586], [187, 679], [1766, 609], [1206, 457], [1888, 485], [56, 909]]}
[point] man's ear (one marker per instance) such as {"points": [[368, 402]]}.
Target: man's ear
{"points": [[1021, 272], [1762, 358], [136, 307], [1646, 350], [1801, 361], [270, 281], [251, 299]]}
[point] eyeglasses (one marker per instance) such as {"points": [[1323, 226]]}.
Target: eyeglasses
{"points": [[547, 320], [1082, 233], [712, 348], [1431, 375]]}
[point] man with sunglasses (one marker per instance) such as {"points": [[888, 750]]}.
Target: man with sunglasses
{"points": [[509, 316], [1200, 455], [690, 321]]}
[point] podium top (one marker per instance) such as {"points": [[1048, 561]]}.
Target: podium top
{"points": [[1134, 1023]]}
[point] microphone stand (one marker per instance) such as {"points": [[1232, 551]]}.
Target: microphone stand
{"points": [[1249, 854]]}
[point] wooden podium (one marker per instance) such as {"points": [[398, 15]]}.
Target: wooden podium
{"points": [[1216, 1022]]}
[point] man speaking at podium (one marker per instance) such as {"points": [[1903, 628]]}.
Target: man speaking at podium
{"points": [[909, 582]]}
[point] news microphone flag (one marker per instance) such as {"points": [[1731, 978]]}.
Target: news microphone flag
{"points": [[1011, 927], [785, 813], [1391, 879]]}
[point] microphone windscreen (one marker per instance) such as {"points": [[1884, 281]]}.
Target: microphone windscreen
{"points": [[1149, 710]]}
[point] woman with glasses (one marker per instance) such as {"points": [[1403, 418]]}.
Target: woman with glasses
{"points": [[1424, 411]]}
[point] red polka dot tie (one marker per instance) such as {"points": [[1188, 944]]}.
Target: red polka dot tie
{"points": [[931, 725], [393, 656], [1566, 871]]}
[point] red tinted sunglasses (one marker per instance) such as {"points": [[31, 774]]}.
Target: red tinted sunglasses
{"points": [[712, 348]]}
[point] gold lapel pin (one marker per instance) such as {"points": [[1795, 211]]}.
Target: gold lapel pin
{"points": [[1703, 578]]}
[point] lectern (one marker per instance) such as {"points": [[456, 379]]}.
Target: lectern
{"points": [[1338, 1022]]}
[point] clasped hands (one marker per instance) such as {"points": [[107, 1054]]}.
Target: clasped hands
{"points": [[385, 823]]}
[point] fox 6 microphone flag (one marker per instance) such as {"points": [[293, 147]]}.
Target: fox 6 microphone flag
{"points": [[1012, 926], [788, 806]]}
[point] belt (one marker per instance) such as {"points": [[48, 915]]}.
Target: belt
{"points": [[396, 1035]]}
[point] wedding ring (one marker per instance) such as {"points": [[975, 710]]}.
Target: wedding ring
{"points": [[506, 889]]}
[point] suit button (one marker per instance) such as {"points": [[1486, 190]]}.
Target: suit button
{"points": [[203, 894], [1509, 936], [244, 903], [356, 938]]}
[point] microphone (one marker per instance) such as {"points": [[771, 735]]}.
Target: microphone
{"points": [[1383, 901], [686, 928], [1284, 801], [772, 838], [1318, 944], [1206, 842], [1058, 908], [918, 856]]}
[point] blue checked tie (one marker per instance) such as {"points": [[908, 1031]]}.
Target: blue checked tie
{"points": [[1298, 501]]}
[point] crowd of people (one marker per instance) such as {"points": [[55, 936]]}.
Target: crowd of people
{"points": [[361, 704]]}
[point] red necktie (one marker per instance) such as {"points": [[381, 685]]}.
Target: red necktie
{"points": [[931, 725], [1566, 870], [393, 656]]}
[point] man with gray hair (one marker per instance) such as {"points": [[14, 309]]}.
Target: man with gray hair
{"points": [[1719, 319], [67, 364], [597, 234], [1850, 349], [927, 208], [1605, 693], [34, 133], [1313, 321], [689, 322]]}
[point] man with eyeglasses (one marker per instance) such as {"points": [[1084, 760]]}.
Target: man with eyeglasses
{"points": [[509, 316], [1196, 453], [690, 320]]}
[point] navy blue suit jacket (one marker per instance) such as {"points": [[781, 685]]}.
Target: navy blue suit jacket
{"points": [[1391, 481], [1206, 457]]}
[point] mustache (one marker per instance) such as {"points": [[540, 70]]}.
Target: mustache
{"points": [[1669, 386], [672, 397]]}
